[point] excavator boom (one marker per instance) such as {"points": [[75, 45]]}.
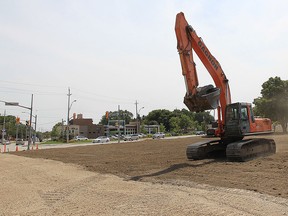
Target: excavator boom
{"points": [[200, 98]]}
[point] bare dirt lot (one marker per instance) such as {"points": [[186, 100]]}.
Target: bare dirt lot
{"points": [[164, 161], [151, 177]]}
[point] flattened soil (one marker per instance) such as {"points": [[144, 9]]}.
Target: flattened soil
{"points": [[165, 161]]}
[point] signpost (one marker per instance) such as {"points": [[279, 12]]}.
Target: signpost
{"points": [[11, 104], [29, 108]]}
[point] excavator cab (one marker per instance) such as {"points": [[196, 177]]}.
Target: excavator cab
{"points": [[237, 120]]}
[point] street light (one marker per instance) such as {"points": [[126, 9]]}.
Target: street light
{"points": [[3, 129], [69, 108], [138, 111], [29, 108]]}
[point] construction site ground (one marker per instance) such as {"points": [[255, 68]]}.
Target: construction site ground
{"points": [[149, 177]]}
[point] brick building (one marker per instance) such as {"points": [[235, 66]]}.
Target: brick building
{"points": [[85, 127]]}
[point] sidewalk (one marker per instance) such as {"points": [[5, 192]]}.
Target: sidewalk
{"points": [[13, 147]]}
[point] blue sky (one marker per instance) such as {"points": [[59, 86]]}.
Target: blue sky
{"points": [[113, 53]]}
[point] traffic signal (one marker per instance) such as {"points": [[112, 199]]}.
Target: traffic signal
{"points": [[27, 123], [17, 120], [107, 115]]}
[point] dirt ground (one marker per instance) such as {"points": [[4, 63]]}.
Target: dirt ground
{"points": [[40, 187], [151, 177], [164, 161]]}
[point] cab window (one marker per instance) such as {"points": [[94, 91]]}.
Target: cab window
{"points": [[244, 113], [232, 113], [252, 114]]}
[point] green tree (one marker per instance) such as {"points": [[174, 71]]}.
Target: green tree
{"points": [[56, 132], [185, 119], [273, 103], [162, 128], [175, 125], [46, 135], [204, 117], [152, 122], [186, 112], [185, 122], [160, 116], [11, 128], [113, 115], [10, 125]]}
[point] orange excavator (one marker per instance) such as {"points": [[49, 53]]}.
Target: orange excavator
{"points": [[235, 120]]}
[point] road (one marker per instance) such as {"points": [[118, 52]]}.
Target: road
{"points": [[12, 147]]}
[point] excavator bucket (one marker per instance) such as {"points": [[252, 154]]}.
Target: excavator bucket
{"points": [[207, 98]]}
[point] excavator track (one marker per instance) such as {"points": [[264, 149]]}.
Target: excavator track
{"points": [[205, 149], [243, 150], [249, 149]]}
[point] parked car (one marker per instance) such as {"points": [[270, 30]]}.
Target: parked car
{"points": [[20, 142], [114, 137], [142, 135], [79, 138], [131, 137], [139, 135], [211, 132], [7, 142], [158, 135], [135, 137], [200, 133], [101, 139], [127, 137]]}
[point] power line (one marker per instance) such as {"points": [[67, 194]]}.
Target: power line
{"points": [[55, 122], [39, 92], [30, 84], [105, 96]]}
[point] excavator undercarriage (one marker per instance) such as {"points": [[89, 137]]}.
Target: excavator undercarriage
{"points": [[242, 150]]}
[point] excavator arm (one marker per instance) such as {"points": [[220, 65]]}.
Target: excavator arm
{"points": [[207, 97]]}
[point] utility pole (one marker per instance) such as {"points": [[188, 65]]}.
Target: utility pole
{"points": [[67, 131], [136, 109], [26, 133], [17, 127], [35, 133], [137, 125], [62, 130], [137, 119], [69, 108], [118, 124], [3, 128], [30, 124]]}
